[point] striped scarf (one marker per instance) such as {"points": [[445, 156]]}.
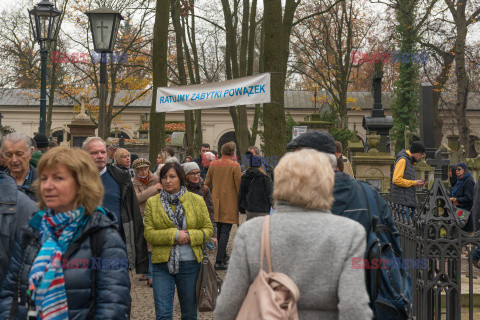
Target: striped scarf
{"points": [[57, 232]]}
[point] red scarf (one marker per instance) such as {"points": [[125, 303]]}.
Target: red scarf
{"points": [[144, 180]]}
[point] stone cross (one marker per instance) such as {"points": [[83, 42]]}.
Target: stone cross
{"points": [[438, 163], [65, 135]]}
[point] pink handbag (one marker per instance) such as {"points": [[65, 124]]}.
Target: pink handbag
{"points": [[272, 295]]}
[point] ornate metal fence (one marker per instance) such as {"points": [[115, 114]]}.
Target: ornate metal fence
{"points": [[434, 233]]}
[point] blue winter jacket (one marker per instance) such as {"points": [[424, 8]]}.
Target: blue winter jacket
{"points": [[16, 209], [113, 283]]}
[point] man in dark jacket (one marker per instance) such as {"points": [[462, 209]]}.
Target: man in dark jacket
{"points": [[205, 147], [265, 167], [41, 146], [17, 150], [15, 212], [350, 201], [404, 184], [255, 196], [121, 199]]}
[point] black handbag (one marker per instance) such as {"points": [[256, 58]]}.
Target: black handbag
{"points": [[208, 283]]}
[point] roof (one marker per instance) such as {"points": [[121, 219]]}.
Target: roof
{"points": [[293, 99]]}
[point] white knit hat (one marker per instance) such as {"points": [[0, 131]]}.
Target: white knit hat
{"points": [[190, 166]]}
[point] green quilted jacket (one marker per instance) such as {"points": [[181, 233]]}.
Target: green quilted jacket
{"points": [[160, 232]]}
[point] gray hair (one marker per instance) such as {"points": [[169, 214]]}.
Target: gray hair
{"points": [[255, 148], [18, 137], [172, 159], [332, 159], [90, 140]]}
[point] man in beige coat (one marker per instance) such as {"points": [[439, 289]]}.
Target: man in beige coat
{"points": [[224, 174]]}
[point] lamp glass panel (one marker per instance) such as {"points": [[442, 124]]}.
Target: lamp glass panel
{"points": [[102, 31], [115, 31], [44, 21], [53, 26]]}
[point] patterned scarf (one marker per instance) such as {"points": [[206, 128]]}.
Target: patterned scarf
{"points": [[168, 199], [144, 180], [57, 232]]}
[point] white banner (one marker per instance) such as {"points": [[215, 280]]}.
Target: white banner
{"points": [[240, 91]]}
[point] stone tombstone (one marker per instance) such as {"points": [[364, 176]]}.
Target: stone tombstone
{"points": [[374, 166], [65, 143], [427, 134], [424, 170], [378, 123], [81, 127], [474, 163], [313, 123], [354, 146]]}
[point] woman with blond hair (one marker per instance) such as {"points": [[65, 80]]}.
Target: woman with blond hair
{"points": [[161, 160], [307, 243], [70, 262], [122, 159]]}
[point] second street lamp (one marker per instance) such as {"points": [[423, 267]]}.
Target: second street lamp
{"points": [[44, 19], [104, 23]]}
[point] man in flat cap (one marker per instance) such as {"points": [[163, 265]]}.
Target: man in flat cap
{"points": [[349, 197]]}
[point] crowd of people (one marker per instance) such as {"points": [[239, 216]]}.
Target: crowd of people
{"points": [[76, 221]]}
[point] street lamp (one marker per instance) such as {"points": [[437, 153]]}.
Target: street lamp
{"points": [[44, 20], [104, 23]]}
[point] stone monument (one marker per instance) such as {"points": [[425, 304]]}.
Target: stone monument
{"points": [[378, 122], [81, 127], [374, 166], [65, 142]]}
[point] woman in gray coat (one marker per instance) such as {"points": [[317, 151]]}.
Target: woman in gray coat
{"points": [[309, 244]]}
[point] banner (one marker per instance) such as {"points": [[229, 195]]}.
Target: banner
{"points": [[240, 91]]}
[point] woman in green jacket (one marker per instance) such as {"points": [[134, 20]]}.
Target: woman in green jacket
{"points": [[175, 224]]}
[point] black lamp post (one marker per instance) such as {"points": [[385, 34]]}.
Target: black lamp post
{"points": [[104, 23], [44, 19]]}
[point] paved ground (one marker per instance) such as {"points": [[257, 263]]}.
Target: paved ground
{"points": [[142, 295]]}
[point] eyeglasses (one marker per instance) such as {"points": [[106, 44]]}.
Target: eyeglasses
{"points": [[458, 169], [194, 174]]}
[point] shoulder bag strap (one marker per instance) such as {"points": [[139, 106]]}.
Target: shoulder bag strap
{"points": [[265, 244]]}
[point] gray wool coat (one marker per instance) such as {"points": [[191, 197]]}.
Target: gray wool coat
{"points": [[314, 249]]}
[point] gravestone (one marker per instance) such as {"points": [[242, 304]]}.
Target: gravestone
{"points": [[81, 127], [427, 132], [378, 123], [374, 166]]}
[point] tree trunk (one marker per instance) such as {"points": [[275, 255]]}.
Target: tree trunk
{"points": [[438, 87], [198, 112], [159, 67], [189, 126], [461, 74], [405, 105], [274, 44]]}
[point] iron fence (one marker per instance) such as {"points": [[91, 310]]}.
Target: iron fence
{"points": [[434, 232]]}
